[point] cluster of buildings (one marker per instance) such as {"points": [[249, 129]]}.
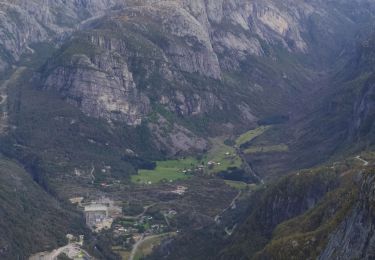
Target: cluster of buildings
{"points": [[202, 167], [97, 216], [100, 213]]}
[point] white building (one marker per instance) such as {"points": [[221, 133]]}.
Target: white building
{"points": [[95, 213]]}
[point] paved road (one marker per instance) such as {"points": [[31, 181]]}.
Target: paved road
{"points": [[140, 215], [136, 245], [232, 205], [247, 165], [141, 241], [72, 250], [92, 175]]}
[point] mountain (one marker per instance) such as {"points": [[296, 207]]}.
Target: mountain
{"points": [[320, 213], [207, 59], [31, 219], [95, 93], [313, 234]]}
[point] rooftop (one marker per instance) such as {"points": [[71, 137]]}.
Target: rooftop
{"points": [[95, 207]]}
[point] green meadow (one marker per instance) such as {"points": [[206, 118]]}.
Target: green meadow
{"points": [[267, 149], [170, 170], [250, 135]]}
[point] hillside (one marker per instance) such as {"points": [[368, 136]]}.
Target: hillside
{"points": [[29, 214], [338, 119], [305, 215], [219, 129]]}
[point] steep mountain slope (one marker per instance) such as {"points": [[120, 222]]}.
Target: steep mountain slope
{"points": [[320, 213], [354, 237], [24, 23], [205, 60], [363, 117], [92, 91], [340, 227], [345, 120], [337, 119], [337, 225], [29, 215]]}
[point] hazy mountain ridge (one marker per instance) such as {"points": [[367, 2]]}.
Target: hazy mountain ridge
{"points": [[190, 63]]}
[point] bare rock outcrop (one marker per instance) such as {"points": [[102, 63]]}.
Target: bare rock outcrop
{"points": [[355, 236]]}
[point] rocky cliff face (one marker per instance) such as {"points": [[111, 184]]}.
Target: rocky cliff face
{"points": [[364, 114], [321, 213], [289, 198], [158, 46], [125, 60], [26, 22], [355, 238], [362, 127], [101, 85]]}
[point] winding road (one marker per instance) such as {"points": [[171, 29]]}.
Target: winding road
{"points": [[365, 163], [72, 250], [140, 215], [92, 175], [142, 240], [136, 245], [232, 205]]}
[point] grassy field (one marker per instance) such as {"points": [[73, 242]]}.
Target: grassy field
{"points": [[267, 149], [169, 170], [240, 185], [250, 135], [223, 154]]}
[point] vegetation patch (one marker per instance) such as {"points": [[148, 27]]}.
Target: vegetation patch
{"points": [[240, 185], [250, 135], [221, 156], [267, 149], [170, 170], [147, 247]]}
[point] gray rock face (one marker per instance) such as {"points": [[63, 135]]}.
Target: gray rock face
{"points": [[139, 55], [188, 37], [364, 114], [102, 89], [355, 236], [101, 85], [176, 139], [23, 22], [212, 26]]}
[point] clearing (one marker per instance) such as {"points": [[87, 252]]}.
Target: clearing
{"points": [[267, 149], [219, 158], [165, 170], [222, 155], [250, 135], [240, 185], [146, 245]]}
